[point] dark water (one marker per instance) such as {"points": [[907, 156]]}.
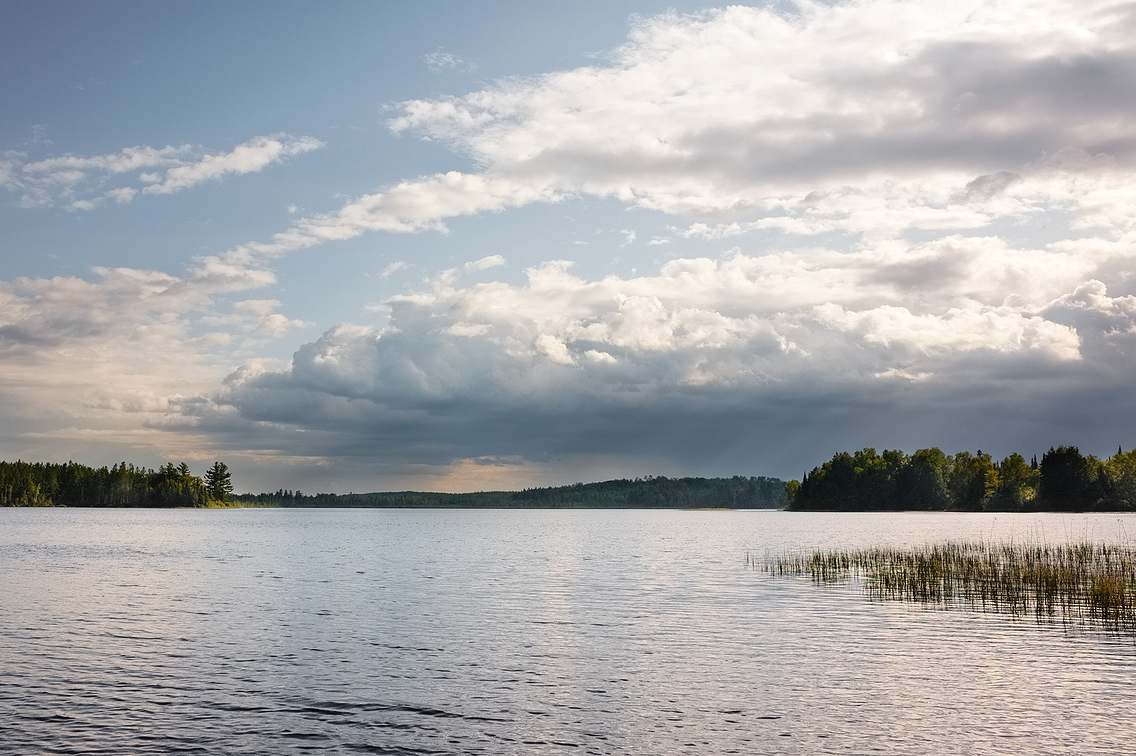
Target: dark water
{"points": [[532, 632]]}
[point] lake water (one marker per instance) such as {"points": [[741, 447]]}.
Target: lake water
{"points": [[524, 632]]}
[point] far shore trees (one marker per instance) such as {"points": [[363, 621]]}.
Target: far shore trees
{"points": [[640, 493], [929, 479], [72, 485], [40, 484]]}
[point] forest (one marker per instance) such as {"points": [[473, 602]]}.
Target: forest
{"points": [[641, 493], [929, 479], [44, 484]]}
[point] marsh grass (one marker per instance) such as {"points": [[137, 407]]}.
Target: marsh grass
{"points": [[1083, 583]]}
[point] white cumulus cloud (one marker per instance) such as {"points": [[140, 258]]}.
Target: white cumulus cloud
{"points": [[560, 363]]}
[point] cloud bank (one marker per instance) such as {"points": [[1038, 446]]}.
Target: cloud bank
{"points": [[755, 347], [941, 195]]}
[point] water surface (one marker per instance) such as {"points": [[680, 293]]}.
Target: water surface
{"points": [[524, 632]]}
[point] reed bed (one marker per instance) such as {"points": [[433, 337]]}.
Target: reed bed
{"points": [[1083, 583]]}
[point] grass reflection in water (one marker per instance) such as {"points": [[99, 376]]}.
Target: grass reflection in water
{"points": [[1085, 583]]}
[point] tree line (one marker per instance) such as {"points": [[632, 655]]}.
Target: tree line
{"points": [[639, 493], [46, 484], [929, 479], [30, 484]]}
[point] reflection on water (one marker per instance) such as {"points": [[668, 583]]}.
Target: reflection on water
{"points": [[527, 632]]}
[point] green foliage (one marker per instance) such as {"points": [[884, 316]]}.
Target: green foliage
{"points": [[930, 480], [219, 483], [1017, 483], [971, 481], [1067, 476], [24, 484], [791, 489], [923, 481], [1121, 474]]}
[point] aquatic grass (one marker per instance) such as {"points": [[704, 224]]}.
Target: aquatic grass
{"points": [[1083, 583]]}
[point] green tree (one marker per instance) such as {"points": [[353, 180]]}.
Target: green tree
{"points": [[218, 482], [791, 490], [833, 486], [971, 481], [1121, 472], [876, 475], [1069, 480], [1016, 489], [922, 482]]}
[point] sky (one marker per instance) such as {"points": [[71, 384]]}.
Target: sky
{"points": [[458, 246]]}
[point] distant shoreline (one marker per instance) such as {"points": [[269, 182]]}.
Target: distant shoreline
{"points": [[128, 487]]}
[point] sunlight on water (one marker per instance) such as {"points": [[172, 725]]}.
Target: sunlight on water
{"points": [[500, 632]]}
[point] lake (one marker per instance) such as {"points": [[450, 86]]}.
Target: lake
{"points": [[288, 631]]}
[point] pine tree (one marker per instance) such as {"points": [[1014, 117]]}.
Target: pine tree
{"points": [[218, 482]]}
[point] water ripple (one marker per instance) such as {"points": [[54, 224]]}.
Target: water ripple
{"points": [[535, 632]]}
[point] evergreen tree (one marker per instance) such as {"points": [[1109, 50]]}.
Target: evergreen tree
{"points": [[1066, 479], [218, 482]]}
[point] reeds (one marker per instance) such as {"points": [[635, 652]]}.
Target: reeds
{"points": [[1083, 583]]}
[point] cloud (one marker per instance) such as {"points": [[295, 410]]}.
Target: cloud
{"points": [[816, 120], [439, 61], [563, 366], [485, 263], [70, 169], [9, 169], [117, 355], [79, 183], [250, 157], [121, 195], [257, 316], [394, 267], [407, 207]]}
